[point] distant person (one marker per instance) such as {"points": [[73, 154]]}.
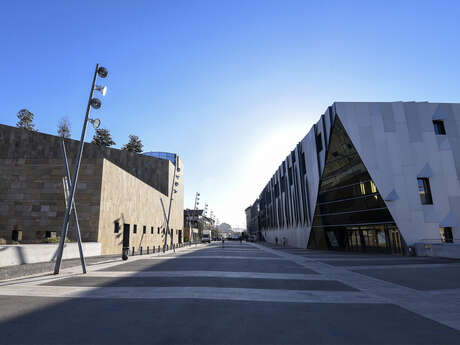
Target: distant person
{"points": [[276, 241], [223, 241], [241, 239], [284, 241]]}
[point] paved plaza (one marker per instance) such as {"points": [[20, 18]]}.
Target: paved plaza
{"points": [[240, 294]]}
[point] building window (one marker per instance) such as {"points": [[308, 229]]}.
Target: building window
{"points": [[424, 191], [151, 230], [116, 228], [303, 166], [446, 235], [158, 230], [16, 235], [135, 229], [363, 188], [373, 187], [319, 143], [50, 234], [144, 230], [439, 128]]}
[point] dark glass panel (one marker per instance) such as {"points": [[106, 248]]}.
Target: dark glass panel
{"points": [[360, 203], [356, 217]]}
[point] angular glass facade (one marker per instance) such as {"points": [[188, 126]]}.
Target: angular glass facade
{"points": [[350, 214]]}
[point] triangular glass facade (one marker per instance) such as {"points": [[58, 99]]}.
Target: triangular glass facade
{"points": [[350, 214]]}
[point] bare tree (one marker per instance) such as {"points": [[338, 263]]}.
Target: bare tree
{"points": [[64, 127], [26, 119]]}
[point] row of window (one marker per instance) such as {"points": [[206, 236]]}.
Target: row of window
{"points": [[144, 229]]}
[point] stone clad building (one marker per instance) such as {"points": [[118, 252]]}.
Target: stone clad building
{"points": [[119, 193]]}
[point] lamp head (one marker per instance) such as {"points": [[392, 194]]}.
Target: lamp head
{"points": [[96, 103], [102, 72], [101, 89], [95, 122]]}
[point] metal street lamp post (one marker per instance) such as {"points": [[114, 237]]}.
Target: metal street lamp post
{"points": [[173, 191], [96, 104]]}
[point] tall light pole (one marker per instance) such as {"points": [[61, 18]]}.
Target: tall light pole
{"points": [[195, 207], [173, 191], [96, 104]]}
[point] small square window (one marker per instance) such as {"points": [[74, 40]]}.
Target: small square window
{"points": [[16, 235], [50, 234], [135, 229], [446, 235], [116, 228], [144, 230], [319, 143], [439, 128], [424, 191]]}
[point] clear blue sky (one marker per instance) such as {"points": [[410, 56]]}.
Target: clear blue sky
{"points": [[231, 86]]}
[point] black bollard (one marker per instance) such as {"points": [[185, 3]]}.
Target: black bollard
{"points": [[124, 253]]}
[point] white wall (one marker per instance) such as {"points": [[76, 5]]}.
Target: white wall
{"points": [[31, 253], [295, 236]]}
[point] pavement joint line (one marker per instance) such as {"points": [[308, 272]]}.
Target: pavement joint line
{"points": [[219, 257], [373, 267], [383, 259], [218, 274], [437, 307], [216, 293]]}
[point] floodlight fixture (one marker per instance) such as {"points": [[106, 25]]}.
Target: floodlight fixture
{"points": [[95, 122], [102, 72], [176, 183], [101, 89], [96, 103], [175, 190], [178, 169]]}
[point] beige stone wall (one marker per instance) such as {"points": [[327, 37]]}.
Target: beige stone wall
{"points": [[127, 200], [32, 198]]}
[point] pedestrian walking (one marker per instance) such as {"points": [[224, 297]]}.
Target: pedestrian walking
{"points": [[223, 241], [276, 241]]}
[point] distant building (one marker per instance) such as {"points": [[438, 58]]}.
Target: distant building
{"points": [[118, 197], [375, 177], [195, 222], [252, 220]]}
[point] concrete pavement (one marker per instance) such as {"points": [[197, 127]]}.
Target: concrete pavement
{"points": [[240, 294]]}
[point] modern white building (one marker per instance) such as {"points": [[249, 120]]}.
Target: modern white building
{"points": [[369, 177]]}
